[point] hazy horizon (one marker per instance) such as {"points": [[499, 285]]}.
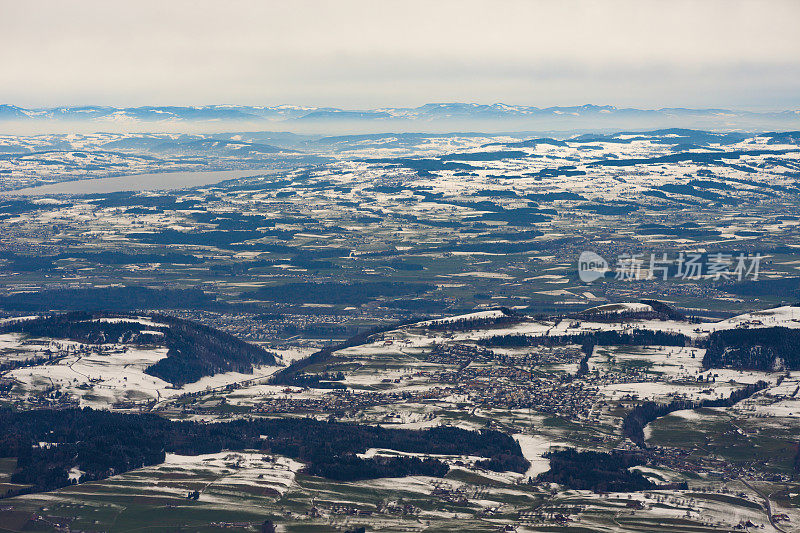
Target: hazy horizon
{"points": [[744, 109]]}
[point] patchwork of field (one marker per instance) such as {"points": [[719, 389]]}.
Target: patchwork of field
{"points": [[412, 282], [239, 491], [735, 463], [456, 222]]}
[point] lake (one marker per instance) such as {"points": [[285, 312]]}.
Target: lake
{"points": [[136, 182]]}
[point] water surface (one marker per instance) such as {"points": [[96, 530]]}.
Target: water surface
{"points": [[136, 182]]}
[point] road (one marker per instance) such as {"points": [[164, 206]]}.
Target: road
{"points": [[768, 504]]}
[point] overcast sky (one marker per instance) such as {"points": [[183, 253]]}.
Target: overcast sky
{"points": [[372, 53]]}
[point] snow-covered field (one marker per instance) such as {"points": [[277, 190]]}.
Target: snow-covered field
{"points": [[104, 376], [97, 379], [666, 392], [785, 316]]}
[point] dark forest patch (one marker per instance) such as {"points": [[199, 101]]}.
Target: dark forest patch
{"points": [[102, 444], [107, 299]]}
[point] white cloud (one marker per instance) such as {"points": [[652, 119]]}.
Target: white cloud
{"points": [[358, 53]]}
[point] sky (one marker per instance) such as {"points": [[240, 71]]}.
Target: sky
{"points": [[360, 54]]}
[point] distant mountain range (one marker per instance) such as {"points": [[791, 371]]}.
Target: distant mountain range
{"points": [[494, 115]]}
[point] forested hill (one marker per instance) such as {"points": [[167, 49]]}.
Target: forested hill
{"points": [[194, 350], [102, 443], [754, 349]]}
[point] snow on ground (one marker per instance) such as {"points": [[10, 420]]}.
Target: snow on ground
{"points": [[688, 414], [253, 394], [491, 275], [740, 376], [413, 421], [709, 508], [225, 479], [657, 475], [75, 473], [143, 320], [494, 313], [237, 468], [117, 373], [789, 408], [4, 321], [10, 340], [290, 355], [226, 378], [416, 484], [13, 347], [786, 316], [98, 379], [533, 448], [665, 392], [449, 459], [777, 401], [619, 308], [672, 362]]}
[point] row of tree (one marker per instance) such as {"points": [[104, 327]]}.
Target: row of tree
{"points": [[478, 322], [636, 337], [637, 419]]}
